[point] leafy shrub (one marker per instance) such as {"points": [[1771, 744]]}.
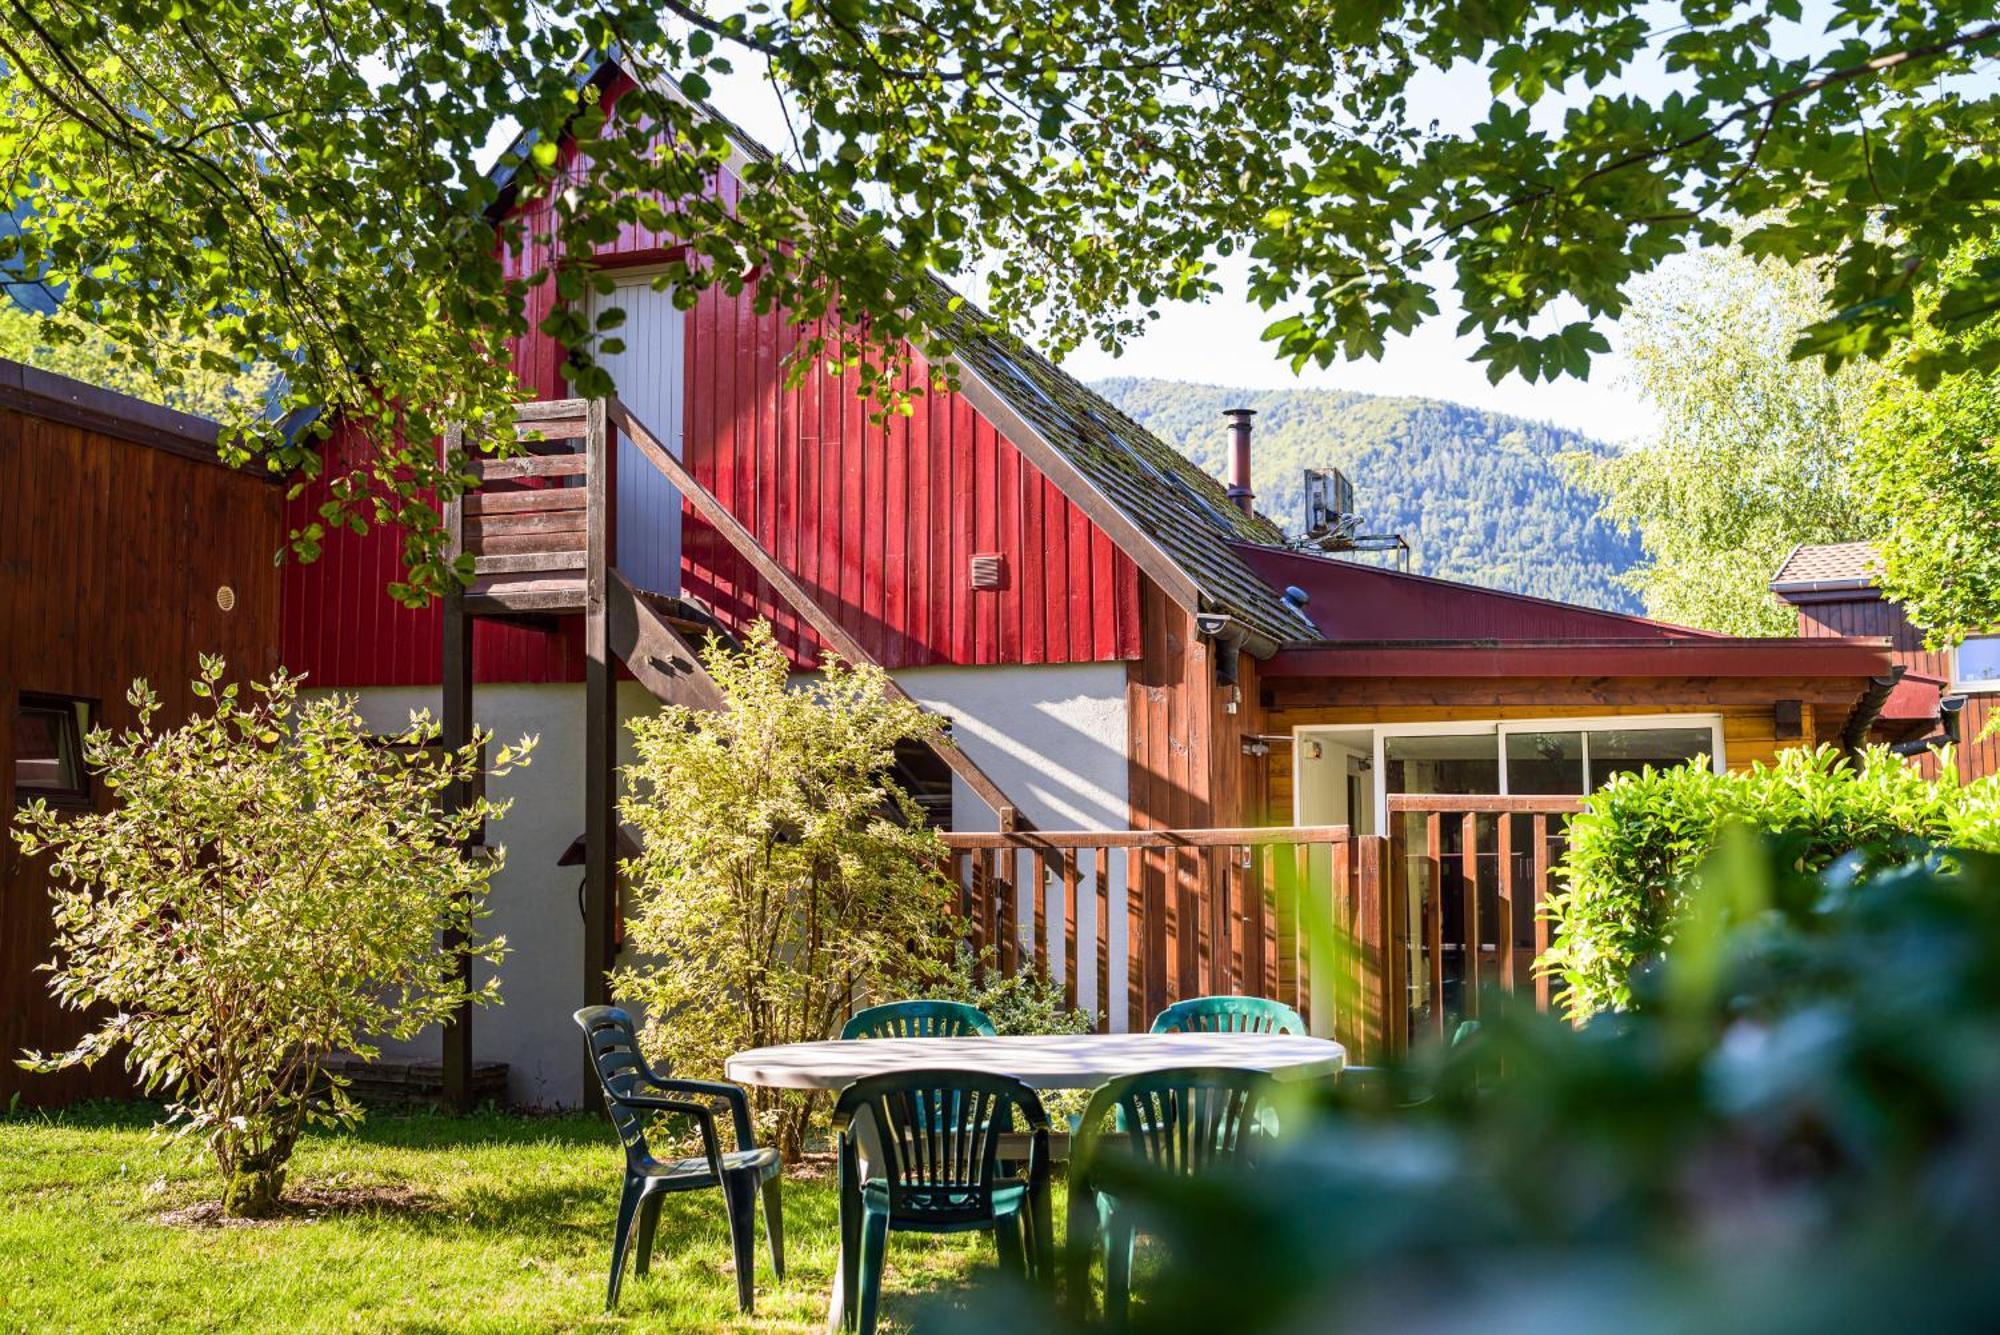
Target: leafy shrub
{"points": [[271, 887], [1796, 1135], [782, 867], [1026, 1002], [1634, 849]]}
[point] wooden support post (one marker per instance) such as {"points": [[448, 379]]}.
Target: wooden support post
{"points": [[455, 724], [600, 725], [1470, 977]]}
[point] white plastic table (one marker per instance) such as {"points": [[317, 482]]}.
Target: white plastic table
{"points": [[1041, 1061]]}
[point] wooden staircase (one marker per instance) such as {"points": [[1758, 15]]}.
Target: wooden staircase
{"points": [[540, 527]]}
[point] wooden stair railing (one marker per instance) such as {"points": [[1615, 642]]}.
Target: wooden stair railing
{"points": [[793, 592], [540, 528]]}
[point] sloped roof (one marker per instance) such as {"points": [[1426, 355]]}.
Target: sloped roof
{"points": [[1829, 565], [1349, 601], [1175, 505]]}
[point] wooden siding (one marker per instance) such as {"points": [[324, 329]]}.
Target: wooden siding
{"points": [[1868, 614], [341, 627], [879, 521], [1186, 770], [111, 553]]}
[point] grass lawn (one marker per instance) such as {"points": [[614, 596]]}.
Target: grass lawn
{"points": [[413, 1222]]}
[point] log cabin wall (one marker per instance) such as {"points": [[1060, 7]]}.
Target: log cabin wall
{"points": [[118, 528]]}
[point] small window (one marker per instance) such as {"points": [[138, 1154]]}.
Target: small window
{"points": [[48, 749], [1976, 664]]}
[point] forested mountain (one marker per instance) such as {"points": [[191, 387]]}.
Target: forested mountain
{"points": [[1478, 495]]}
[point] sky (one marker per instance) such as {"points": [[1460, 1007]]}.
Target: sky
{"points": [[1218, 343]]}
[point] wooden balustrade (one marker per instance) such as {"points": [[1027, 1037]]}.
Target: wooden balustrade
{"points": [[1472, 872], [1420, 921], [1198, 912]]}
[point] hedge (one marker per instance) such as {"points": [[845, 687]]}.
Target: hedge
{"points": [[1641, 837]]}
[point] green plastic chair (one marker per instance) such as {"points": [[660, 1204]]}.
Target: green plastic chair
{"points": [[1182, 1121], [919, 1019], [939, 1135], [1228, 1015], [631, 1093]]}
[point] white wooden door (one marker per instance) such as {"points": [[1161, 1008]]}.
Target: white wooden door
{"points": [[651, 375]]}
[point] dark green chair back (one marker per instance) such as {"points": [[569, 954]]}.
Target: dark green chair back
{"points": [[919, 1019], [940, 1136], [622, 1071], [1184, 1121], [1228, 1015]]}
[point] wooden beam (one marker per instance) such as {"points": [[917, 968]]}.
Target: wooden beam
{"points": [[600, 726], [831, 631], [1253, 835], [536, 500], [1469, 802], [1297, 698], [521, 563], [455, 723], [658, 656], [527, 465], [543, 596]]}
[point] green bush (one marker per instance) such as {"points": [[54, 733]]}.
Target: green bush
{"points": [[1026, 1002], [273, 886], [782, 867], [1795, 1136], [1633, 851]]}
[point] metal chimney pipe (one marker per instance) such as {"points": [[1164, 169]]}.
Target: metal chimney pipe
{"points": [[1239, 458]]}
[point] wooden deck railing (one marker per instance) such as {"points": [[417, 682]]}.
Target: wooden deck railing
{"points": [[1473, 872], [1421, 920], [1197, 911]]}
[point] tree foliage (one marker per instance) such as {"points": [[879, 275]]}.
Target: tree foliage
{"points": [[783, 873], [306, 185], [1479, 495], [272, 886], [62, 346], [1754, 451], [1929, 470]]}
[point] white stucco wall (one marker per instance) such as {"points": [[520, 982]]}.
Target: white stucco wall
{"points": [[1053, 738], [533, 902]]}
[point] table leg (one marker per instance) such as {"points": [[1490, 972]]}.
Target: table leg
{"points": [[868, 1152]]}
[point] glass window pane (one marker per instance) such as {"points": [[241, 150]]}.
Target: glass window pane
{"points": [[47, 748], [1628, 750], [1545, 762], [1442, 764], [1978, 662]]}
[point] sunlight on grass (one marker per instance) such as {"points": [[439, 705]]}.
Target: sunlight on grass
{"points": [[422, 1223]]}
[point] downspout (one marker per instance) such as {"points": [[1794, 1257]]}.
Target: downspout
{"points": [[1854, 733], [1946, 735]]}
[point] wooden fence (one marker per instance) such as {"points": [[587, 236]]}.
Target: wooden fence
{"points": [[1471, 874], [1380, 934]]}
